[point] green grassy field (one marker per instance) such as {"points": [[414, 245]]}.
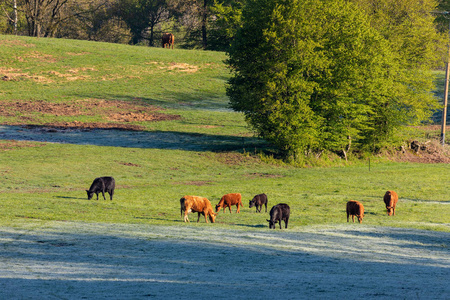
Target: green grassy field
{"points": [[43, 182]]}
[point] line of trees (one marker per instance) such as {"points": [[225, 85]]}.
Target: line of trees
{"points": [[196, 23], [207, 24]]}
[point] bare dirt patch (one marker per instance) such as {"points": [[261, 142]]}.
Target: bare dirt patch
{"points": [[128, 164], [235, 158], [195, 182], [34, 55], [10, 74], [263, 175], [117, 114], [12, 144], [15, 43], [430, 151], [180, 67]]}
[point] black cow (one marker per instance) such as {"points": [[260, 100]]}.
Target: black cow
{"points": [[258, 201], [102, 184], [279, 212]]}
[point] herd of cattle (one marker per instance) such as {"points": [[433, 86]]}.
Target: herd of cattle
{"points": [[202, 205]]}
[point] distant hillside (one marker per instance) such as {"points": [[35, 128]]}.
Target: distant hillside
{"points": [[60, 69]]}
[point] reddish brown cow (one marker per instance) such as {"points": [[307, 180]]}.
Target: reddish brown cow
{"points": [[168, 39], [228, 200], [390, 199], [201, 205], [355, 208]]}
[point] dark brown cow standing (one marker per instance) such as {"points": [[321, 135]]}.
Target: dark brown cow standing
{"points": [[355, 208], [390, 199], [168, 39], [258, 201]]}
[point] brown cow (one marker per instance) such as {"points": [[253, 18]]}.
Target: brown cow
{"points": [[201, 205], [168, 39], [228, 200], [390, 199], [355, 208]]}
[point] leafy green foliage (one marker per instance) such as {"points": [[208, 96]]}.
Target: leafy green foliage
{"points": [[225, 23], [314, 75]]}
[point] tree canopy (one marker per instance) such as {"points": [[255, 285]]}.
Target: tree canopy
{"points": [[322, 75]]}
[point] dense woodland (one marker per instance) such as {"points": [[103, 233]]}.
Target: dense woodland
{"points": [[203, 24], [194, 22]]}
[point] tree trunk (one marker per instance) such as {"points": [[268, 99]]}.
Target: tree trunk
{"points": [[204, 20]]}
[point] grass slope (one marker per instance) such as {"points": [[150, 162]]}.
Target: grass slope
{"points": [[46, 181]]}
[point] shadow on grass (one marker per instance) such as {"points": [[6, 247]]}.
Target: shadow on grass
{"points": [[253, 226], [95, 261], [130, 139], [75, 198]]}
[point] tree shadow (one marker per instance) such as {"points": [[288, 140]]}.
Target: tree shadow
{"points": [[169, 140]]}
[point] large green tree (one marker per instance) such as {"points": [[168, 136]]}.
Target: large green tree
{"points": [[317, 75]]}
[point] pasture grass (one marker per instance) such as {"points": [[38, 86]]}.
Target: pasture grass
{"points": [[48, 183], [42, 182]]}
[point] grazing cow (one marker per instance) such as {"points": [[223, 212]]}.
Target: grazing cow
{"points": [[102, 184], [168, 39], [279, 212], [201, 205], [390, 199], [258, 201], [228, 200], [355, 208]]}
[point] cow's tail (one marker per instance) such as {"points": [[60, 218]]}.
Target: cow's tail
{"points": [[182, 206]]}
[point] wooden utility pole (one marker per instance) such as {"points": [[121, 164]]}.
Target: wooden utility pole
{"points": [[444, 109]]}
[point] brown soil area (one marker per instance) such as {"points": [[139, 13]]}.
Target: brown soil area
{"points": [[117, 114], [421, 152], [11, 144]]}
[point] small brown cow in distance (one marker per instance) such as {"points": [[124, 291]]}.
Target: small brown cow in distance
{"points": [[390, 199], [201, 205], [168, 39], [228, 200], [355, 208]]}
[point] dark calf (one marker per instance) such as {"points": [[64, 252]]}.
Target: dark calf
{"points": [[277, 213], [258, 201], [102, 185]]}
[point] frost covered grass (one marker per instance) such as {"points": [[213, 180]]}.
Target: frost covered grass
{"points": [[99, 261]]}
